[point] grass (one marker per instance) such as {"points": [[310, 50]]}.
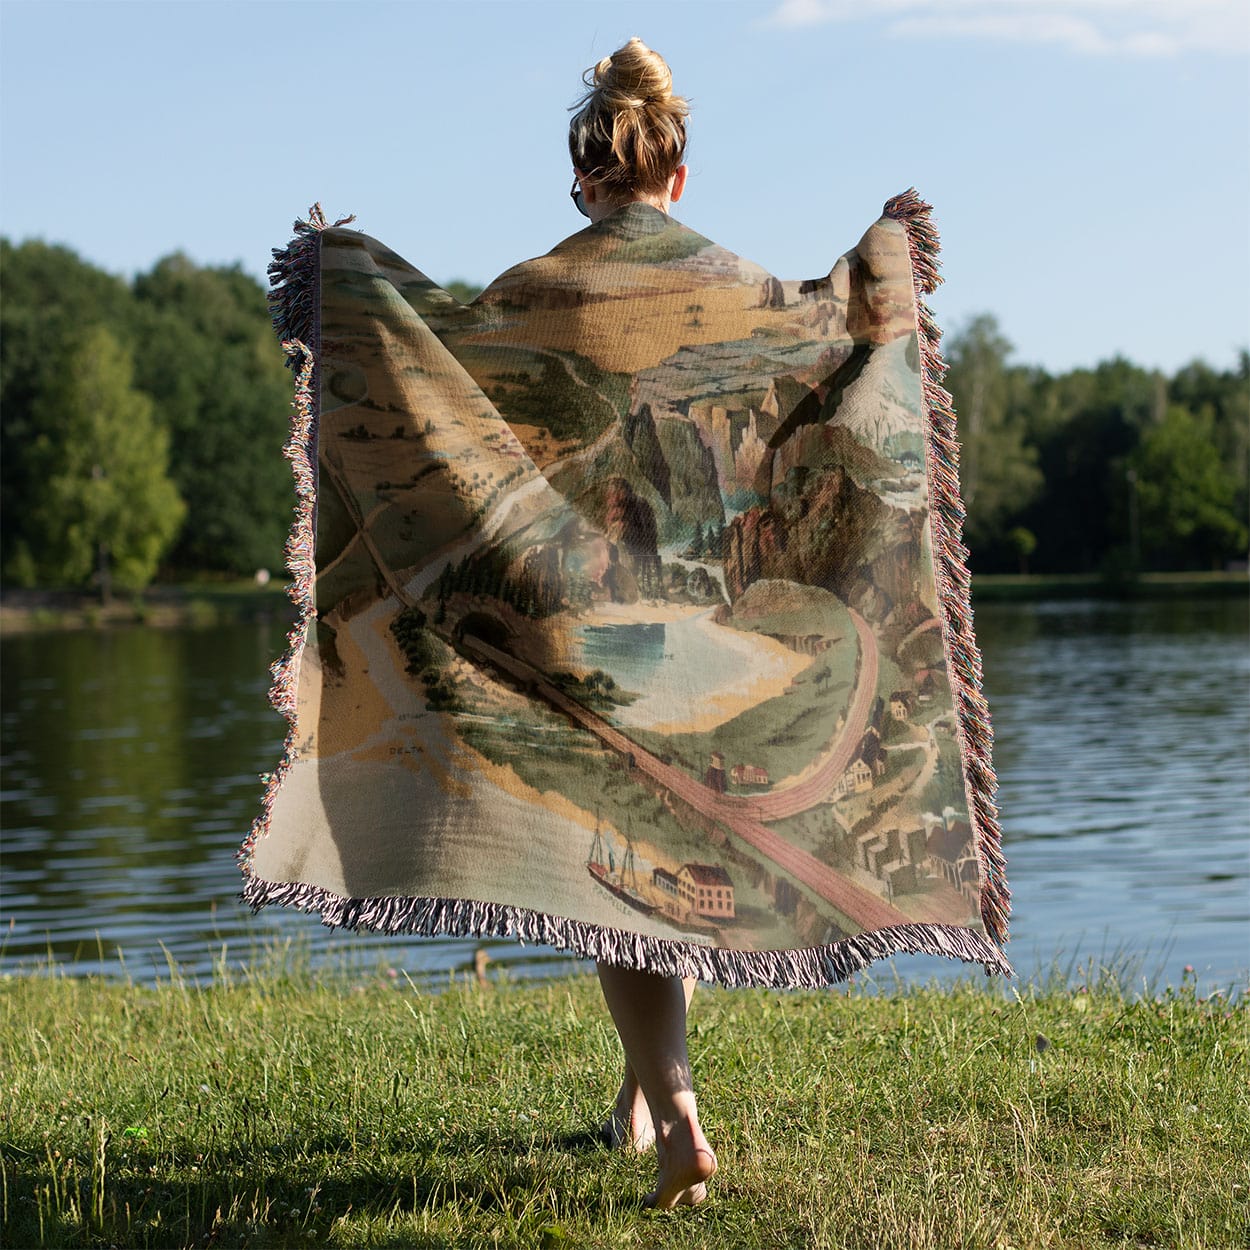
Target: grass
{"points": [[287, 1108]]}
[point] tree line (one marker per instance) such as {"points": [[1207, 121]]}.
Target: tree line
{"points": [[1114, 470], [143, 423]]}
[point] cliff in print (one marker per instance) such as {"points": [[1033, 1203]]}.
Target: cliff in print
{"points": [[651, 556]]}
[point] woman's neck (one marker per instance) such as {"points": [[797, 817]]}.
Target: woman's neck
{"points": [[602, 208]]}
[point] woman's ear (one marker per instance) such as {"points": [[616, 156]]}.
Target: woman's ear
{"points": [[588, 186], [678, 184]]}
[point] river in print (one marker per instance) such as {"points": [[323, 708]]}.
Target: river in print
{"points": [[131, 761]]}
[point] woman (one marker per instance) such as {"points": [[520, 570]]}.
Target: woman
{"points": [[632, 552], [627, 141]]}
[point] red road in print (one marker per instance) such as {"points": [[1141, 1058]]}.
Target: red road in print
{"points": [[791, 800], [860, 906]]}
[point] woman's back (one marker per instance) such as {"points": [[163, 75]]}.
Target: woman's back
{"points": [[623, 628]]}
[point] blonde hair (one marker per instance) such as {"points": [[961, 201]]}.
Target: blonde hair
{"points": [[629, 133]]}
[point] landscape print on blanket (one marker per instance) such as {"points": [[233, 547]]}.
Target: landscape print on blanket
{"points": [[626, 568]]}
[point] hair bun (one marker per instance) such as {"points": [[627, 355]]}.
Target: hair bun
{"points": [[635, 76], [629, 130]]}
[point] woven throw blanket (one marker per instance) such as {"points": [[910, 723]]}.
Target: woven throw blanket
{"points": [[633, 615]]}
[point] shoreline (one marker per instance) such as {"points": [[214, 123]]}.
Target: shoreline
{"points": [[1028, 587], [202, 604], [173, 605]]}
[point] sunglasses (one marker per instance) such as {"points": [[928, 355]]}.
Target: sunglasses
{"points": [[576, 196]]}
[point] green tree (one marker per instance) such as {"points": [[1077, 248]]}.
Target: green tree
{"points": [[105, 504], [997, 467], [1186, 495], [464, 292], [208, 356], [1221, 397], [1024, 543], [51, 297], [1086, 424]]}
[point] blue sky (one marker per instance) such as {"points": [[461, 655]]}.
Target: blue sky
{"points": [[1088, 160]]}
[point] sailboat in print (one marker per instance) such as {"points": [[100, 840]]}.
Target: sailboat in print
{"points": [[623, 884]]}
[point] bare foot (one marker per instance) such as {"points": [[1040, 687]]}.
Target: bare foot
{"points": [[629, 1126], [686, 1165]]}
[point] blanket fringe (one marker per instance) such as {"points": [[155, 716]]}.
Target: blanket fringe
{"points": [[809, 968], [294, 303], [295, 282], [950, 558]]}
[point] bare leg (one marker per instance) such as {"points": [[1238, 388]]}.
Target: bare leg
{"points": [[650, 1015], [629, 1125]]}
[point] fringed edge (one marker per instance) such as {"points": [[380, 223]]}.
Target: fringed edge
{"points": [[811, 968], [295, 283], [294, 302], [950, 558]]}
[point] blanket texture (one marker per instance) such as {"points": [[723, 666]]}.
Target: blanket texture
{"points": [[633, 615]]}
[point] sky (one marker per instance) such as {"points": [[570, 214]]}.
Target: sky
{"points": [[1088, 160]]}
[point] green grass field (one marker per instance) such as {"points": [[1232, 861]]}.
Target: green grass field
{"points": [[282, 1108]]}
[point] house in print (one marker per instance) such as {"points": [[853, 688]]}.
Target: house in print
{"points": [[872, 753], [706, 890], [665, 882], [950, 852], [896, 857], [857, 778], [749, 775], [902, 704], [668, 889], [714, 777]]}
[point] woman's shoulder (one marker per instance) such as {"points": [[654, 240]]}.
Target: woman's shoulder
{"points": [[617, 252]]}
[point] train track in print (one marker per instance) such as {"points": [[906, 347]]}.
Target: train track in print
{"points": [[861, 907], [790, 800]]}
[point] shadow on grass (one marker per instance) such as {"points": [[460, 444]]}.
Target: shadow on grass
{"points": [[265, 1197]]}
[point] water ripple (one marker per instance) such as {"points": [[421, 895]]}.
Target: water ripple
{"points": [[1121, 733]]}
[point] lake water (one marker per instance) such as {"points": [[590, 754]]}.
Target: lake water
{"points": [[131, 760]]}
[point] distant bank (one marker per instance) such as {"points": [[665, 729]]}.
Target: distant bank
{"points": [[212, 603], [170, 605], [1000, 587]]}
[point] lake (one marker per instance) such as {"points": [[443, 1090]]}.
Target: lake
{"points": [[669, 668], [131, 762]]}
